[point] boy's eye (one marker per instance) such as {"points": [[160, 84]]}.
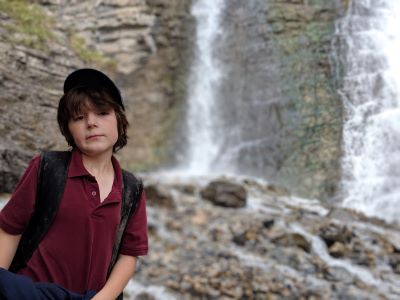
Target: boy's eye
{"points": [[104, 113], [77, 118]]}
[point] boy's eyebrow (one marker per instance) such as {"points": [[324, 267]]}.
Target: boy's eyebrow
{"points": [[83, 109]]}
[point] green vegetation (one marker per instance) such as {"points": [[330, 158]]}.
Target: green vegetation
{"points": [[89, 56], [79, 46], [29, 24]]}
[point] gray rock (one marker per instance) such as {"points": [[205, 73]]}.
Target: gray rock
{"points": [[332, 233], [293, 239], [159, 196], [394, 261], [201, 251], [225, 193], [337, 249], [339, 274], [145, 296]]}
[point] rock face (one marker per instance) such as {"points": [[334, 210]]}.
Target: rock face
{"points": [[146, 48], [145, 44], [31, 81], [140, 44], [302, 32]]}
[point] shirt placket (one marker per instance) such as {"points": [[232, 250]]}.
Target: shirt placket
{"points": [[94, 191]]}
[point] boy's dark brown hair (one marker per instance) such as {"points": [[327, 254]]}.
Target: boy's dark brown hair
{"points": [[73, 103]]}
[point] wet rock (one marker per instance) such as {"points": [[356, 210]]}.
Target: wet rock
{"points": [[203, 252], [240, 239], [248, 235], [189, 189], [332, 233], [269, 223], [394, 261], [199, 217], [293, 239], [361, 255], [352, 293], [145, 296], [337, 250], [225, 193], [268, 188], [159, 196], [339, 274], [343, 214]]}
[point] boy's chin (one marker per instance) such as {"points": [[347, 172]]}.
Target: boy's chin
{"points": [[95, 151]]}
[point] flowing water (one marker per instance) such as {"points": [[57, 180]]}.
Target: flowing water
{"points": [[368, 48], [203, 83], [234, 104]]}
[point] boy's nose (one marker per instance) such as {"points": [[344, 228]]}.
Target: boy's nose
{"points": [[91, 120]]}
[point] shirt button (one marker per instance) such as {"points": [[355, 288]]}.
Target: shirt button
{"points": [[94, 193]]}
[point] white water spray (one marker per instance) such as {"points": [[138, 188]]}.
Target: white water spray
{"points": [[204, 79], [370, 40]]}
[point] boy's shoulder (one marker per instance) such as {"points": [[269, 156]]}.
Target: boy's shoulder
{"points": [[128, 175]]}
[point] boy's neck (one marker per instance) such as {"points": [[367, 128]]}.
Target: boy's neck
{"points": [[98, 165]]}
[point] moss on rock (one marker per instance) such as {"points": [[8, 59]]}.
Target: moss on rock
{"points": [[29, 24], [302, 33]]}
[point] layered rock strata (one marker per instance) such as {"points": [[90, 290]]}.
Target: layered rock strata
{"points": [[139, 43]]}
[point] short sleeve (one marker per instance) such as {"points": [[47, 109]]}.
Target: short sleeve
{"points": [[15, 215], [134, 240]]}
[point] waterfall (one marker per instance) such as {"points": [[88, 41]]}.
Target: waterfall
{"points": [[369, 53], [233, 118], [205, 76]]}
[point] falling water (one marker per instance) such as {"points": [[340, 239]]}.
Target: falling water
{"points": [[369, 48], [205, 77], [234, 117]]}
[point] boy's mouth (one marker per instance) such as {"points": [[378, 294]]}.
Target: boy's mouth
{"points": [[94, 136]]}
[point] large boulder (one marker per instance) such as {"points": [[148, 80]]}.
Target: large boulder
{"points": [[225, 193]]}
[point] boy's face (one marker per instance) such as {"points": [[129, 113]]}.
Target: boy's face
{"points": [[94, 131]]}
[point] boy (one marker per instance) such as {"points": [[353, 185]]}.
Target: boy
{"points": [[73, 259]]}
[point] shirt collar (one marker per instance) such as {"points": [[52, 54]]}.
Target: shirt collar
{"points": [[77, 169]]}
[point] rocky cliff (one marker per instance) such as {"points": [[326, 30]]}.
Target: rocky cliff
{"points": [[141, 44], [281, 114], [303, 32], [32, 67], [146, 47]]}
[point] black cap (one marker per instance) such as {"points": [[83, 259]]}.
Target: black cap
{"points": [[92, 78]]}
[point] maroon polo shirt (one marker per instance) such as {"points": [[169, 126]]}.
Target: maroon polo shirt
{"points": [[76, 251]]}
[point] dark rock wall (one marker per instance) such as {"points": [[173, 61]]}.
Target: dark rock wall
{"points": [[278, 112], [302, 32]]}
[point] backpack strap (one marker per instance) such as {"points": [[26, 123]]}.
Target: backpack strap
{"points": [[132, 189], [52, 176]]}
